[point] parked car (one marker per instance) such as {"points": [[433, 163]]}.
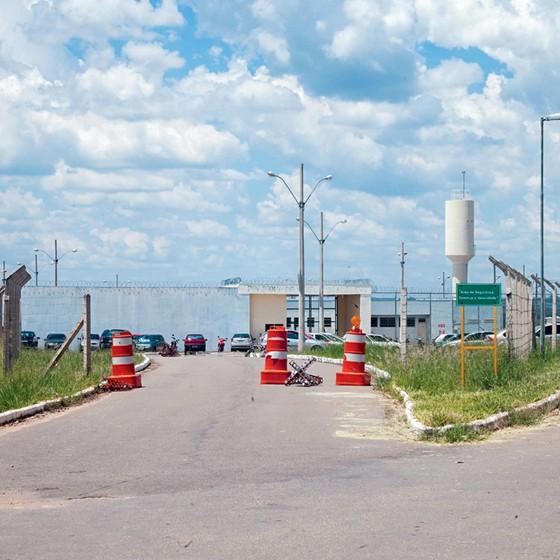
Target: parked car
{"points": [[293, 338], [381, 340], [548, 330], [135, 338], [106, 340], [241, 342], [500, 335], [150, 342], [333, 339], [54, 341], [478, 337], [323, 339], [443, 338], [29, 339], [194, 343], [93, 342]]}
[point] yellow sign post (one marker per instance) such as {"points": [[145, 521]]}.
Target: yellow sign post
{"points": [[478, 294]]}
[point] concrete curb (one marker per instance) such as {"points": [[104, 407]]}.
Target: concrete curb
{"points": [[490, 423], [27, 411]]}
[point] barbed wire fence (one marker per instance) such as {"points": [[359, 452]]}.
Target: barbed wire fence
{"points": [[519, 310]]}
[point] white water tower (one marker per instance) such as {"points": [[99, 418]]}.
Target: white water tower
{"points": [[459, 237]]}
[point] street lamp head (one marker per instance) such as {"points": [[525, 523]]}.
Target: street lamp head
{"points": [[74, 250], [327, 178], [36, 250], [270, 174], [343, 221], [552, 117]]}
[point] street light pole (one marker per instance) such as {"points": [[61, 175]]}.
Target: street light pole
{"points": [[301, 273], [553, 117], [54, 260], [321, 241], [322, 281]]}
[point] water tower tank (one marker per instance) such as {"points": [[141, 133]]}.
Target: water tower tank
{"points": [[459, 237]]}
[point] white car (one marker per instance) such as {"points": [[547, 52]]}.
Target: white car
{"points": [[332, 338], [444, 338], [293, 338], [500, 336], [241, 342], [478, 337], [93, 342], [380, 340], [325, 338]]}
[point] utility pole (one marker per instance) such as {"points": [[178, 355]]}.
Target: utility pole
{"points": [[301, 273], [404, 298]]}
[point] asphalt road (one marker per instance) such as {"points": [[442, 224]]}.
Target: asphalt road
{"points": [[205, 463]]}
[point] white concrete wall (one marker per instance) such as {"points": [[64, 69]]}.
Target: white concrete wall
{"points": [[211, 311]]}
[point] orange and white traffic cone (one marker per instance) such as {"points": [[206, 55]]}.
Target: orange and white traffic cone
{"points": [[354, 362], [275, 370], [123, 374]]}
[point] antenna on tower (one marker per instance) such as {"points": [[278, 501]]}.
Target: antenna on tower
{"points": [[463, 173]]}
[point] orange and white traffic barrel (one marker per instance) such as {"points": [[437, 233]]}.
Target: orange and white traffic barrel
{"points": [[354, 361], [123, 374], [275, 370]]}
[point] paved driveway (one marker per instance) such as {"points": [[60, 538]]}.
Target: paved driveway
{"points": [[205, 463]]}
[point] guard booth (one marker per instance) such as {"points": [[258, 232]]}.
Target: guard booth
{"points": [[268, 305]]}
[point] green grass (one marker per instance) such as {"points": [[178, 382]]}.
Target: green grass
{"points": [[431, 378], [27, 385]]}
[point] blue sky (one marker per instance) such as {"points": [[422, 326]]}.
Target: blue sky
{"points": [[141, 132]]}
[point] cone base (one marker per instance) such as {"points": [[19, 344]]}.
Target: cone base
{"points": [[274, 377], [124, 382], [357, 379]]}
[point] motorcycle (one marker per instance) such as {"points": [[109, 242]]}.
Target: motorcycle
{"points": [[169, 350], [221, 343]]}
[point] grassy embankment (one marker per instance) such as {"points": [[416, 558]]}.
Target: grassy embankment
{"points": [[27, 385], [431, 378]]}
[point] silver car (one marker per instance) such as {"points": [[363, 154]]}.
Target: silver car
{"points": [[241, 342]]}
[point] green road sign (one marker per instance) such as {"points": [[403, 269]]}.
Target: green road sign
{"points": [[479, 294]]}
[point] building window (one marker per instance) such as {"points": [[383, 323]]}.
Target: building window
{"points": [[373, 323], [387, 322], [328, 322], [310, 322], [410, 322], [288, 322], [296, 322]]}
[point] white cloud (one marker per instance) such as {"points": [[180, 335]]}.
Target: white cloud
{"points": [[274, 45], [119, 82], [18, 204], [207, 229], [117, 142], [451, 77]]}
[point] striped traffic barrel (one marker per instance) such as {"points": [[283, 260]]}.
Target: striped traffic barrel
{"points": [[275, 370], [354, 361], [123, 374]]}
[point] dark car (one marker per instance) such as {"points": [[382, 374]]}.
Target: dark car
{"points": [[107, 337], [54, 341], [150, 342], [29, 339], [194, 343]]}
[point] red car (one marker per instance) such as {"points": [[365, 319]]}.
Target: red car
{"points": [[194, 343]]}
